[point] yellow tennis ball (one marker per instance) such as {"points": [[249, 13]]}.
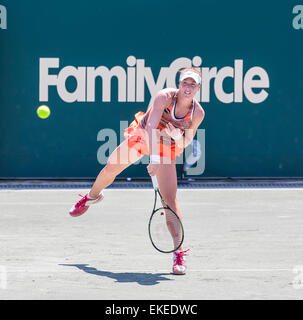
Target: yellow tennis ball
{"points": [[43, 112]]}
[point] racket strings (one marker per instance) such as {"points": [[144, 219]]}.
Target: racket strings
{"points": [[165, 230]]}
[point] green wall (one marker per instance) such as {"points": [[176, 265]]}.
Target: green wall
{"points": [[242, 139]]}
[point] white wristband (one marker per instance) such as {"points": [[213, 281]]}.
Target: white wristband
{"points": [[154, 158], [177, 136]]}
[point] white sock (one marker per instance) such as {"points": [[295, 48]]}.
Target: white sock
{"points": [[88, 196]]}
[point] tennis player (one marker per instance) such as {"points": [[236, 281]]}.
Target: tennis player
{"points": [[162, 132]]}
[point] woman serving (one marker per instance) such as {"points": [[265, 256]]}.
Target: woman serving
{"points": [[162, 132]]}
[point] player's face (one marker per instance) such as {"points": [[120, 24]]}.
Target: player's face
{"points": [[188, 88]]}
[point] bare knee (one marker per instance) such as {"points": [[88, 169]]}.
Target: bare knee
{"points": [[111, 170]]}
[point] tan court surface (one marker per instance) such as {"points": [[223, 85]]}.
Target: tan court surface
{"points": [[244, 244]]}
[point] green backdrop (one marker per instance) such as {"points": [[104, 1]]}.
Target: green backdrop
{"points": [[242, 139]]}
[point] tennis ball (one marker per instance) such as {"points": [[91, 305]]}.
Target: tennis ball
{"points": [[43, 112]]}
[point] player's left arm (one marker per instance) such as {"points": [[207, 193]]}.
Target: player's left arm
{"points": [[186, 139]]}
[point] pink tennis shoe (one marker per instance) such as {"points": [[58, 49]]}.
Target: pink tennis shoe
{"points": [[179, 266], [83, 204]]}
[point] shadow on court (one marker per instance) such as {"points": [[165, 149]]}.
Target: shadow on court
{"points": [[144, 279]]}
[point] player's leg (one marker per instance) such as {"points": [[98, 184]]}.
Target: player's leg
{"points": [[167, 180], [121, 158]]}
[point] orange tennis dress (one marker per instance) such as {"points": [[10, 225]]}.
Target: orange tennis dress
{"points": [[136, 134]]}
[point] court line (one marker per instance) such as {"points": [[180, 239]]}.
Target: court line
{"points": [[42, 270], [116, 189]]}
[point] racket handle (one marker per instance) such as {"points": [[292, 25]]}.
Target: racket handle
{"points": [[155, 182]]}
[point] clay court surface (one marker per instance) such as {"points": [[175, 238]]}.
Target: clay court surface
{"points": [[244, 244]]}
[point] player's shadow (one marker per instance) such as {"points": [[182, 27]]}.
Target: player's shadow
{"points": [[144, 279]]}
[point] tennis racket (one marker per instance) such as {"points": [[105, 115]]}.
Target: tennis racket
{"points": [[165, 227]]}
